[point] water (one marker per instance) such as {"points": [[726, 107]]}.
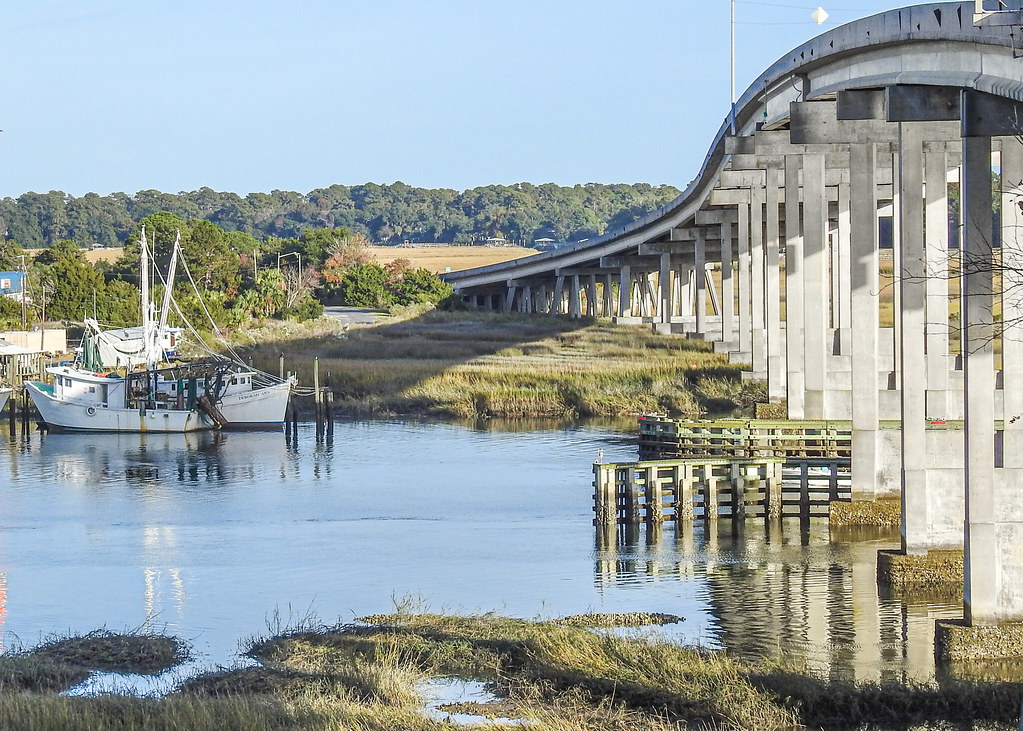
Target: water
{"points": [[212, 537]]}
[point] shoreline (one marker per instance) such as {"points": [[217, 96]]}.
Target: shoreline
{"points": [[371, 674]]}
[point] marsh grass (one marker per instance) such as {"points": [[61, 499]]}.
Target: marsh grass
{"points": [[62, 662], [112, 652], [567, 678], [472, 365]]}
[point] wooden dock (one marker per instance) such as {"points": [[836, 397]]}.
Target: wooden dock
{"points": [[661, 437], [655, 491], [727, 468]]}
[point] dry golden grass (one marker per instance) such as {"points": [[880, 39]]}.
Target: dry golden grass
{"points": [[439, 259], [93, 256]]}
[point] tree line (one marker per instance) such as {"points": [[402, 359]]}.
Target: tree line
{"points": [[227, 276], [384, 214]]}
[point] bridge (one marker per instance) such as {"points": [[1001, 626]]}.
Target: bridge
{"points": [[874, 135]]}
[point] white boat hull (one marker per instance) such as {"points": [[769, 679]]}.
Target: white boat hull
{"points": [[78, 416], [261, 408], [5, 393]]}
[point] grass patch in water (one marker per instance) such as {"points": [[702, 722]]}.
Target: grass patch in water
{"points": [[61, 663], [619, 619], [557, 677]]}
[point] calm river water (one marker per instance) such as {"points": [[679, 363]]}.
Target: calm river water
{"points": [[209, 537]]}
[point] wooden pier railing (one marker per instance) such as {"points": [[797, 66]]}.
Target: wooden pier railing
{"points": [[655, 491], [661, 437]]}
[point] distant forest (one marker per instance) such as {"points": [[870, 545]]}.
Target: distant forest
{"points": [[386, 214]]}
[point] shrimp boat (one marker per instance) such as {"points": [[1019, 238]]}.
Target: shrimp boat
{"points": [[158, 397]]}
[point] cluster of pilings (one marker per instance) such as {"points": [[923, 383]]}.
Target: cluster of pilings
{"points": [[323, 405], [20, 411]]}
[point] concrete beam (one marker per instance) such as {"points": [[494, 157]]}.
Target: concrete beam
{"points": [[715, 217], [729, 196], [987, 115], [817, 123], [647, 263], [916, 103], [582, 271], [856, 104]]}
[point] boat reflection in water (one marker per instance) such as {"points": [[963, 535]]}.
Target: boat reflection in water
{"points": [[199, 458], [795, 589]]}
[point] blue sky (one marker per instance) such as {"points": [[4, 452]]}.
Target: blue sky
{"points": [[125, 95]]}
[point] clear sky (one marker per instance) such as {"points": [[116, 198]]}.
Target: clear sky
{"points": [[124, 95]]}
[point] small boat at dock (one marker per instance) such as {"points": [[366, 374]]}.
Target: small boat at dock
{"points": [[217, 393]]}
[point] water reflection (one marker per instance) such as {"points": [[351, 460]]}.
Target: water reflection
{"points": [[788, 588], [205, 535]]}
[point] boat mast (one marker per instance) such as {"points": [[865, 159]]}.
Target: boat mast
{"points": [[169, 287], [150, 337]]}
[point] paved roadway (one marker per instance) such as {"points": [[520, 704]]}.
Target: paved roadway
{"points": [[352, 316]]}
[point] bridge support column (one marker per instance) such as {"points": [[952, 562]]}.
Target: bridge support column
{"points": [[625, 292], [866, 458], [574, 294], [984, 559], [937, 258], [727, 286], [776, 370], [840, 269], [700, 267], [664, 309], [794, 301], [558, 301], [757, 296], [918, 534], [745, 283], [591, 295], [815, 289], [607, 299]]}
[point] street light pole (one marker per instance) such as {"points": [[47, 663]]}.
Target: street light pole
{"points": [[732, 68]]}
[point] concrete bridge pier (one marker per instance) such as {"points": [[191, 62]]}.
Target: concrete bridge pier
{"points": [[757, 309], [776, 366], [745, 351], [863, 282], [795, 385]]}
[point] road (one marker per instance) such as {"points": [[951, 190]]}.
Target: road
{"points": [[352, 316]]}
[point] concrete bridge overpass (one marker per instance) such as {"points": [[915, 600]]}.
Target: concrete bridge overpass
{"points": [[772, 252]]}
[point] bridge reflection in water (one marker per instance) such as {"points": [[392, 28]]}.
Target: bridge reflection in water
{"points": [[795, 590]]}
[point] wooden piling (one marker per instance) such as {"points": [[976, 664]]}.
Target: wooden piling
{"points": [[330, 414], [804, 489], [710, 493], [654, 496], [24, 410], [738, 493], [631, 498], [684, 493], [282, 366]]}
